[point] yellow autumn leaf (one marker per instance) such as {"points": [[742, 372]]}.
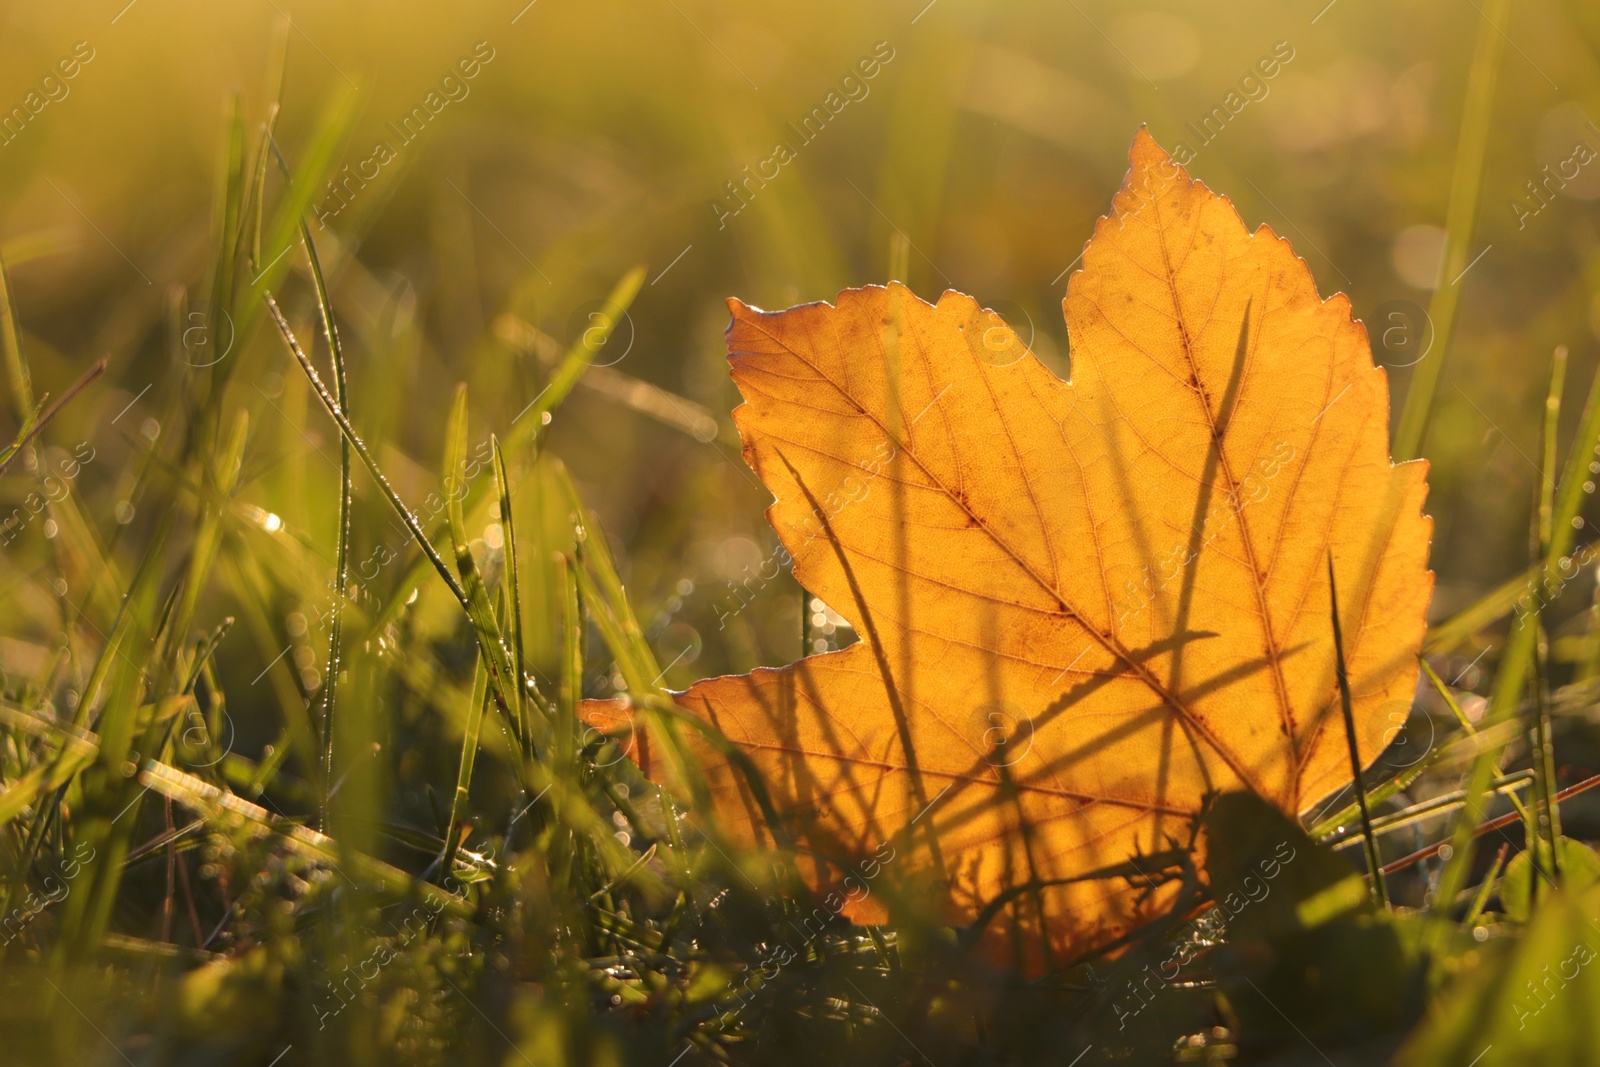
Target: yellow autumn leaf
{"points": [[1084, 606]]}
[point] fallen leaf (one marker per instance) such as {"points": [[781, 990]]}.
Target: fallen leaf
{"points": [[1085, 606]]}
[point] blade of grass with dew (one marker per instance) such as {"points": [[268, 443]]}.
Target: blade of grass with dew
{"points": [[1539, 712], [1466, 185], [341, 567], [221, 481], [1548, 458], [338, 415], [1547, 813], [491, 642], [527, 424], [255, 777], [603, 566]]}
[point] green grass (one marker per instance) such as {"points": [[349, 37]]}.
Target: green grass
{"points": [[291, 770]]}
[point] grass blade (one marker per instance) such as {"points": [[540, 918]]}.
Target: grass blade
{"points": [[228, 216], [1466, 184], [341, 566], [469, 755], [563, 751], [1374, 865], [577, 359], [17, 373], [513, 587], [490, 642], [1544, 768], [349, 431], [316, 162]]}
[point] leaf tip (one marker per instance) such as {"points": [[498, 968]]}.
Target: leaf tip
{"points": [[1145, 151]]}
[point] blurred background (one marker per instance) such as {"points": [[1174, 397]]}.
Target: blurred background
{"points": [[508, 162]]}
